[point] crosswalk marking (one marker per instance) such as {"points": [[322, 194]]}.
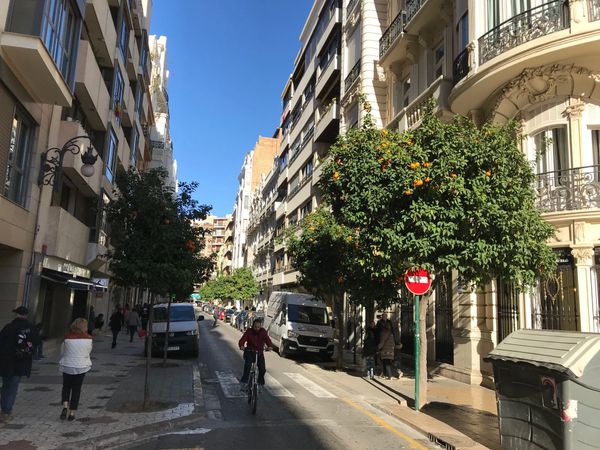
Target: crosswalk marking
{"points": [[310, 386], [229, 384], [275, 388]]}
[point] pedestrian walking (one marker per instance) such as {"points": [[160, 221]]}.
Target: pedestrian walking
{"points": [[215, 316], [38, 351], [17, 342], [397, 366], [133, 322], [369, 350], [74, 363], [125, 315], [91, 321], [99, 322], [386, 348], [115, 322]]}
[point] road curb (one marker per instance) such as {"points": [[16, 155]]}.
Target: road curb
{"points": [[137, 435]]}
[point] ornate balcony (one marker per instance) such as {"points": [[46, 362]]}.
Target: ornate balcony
{"points": [[412, 6], [395, 29], [461, 67], [532, 24], [352, 76], [568, 190]]}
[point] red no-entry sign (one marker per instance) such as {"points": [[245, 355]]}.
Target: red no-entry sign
{"points": [[417, 281]]}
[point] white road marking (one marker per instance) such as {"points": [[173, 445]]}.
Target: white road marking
{"points": [[310, 386], [229, 384], [275, 388]]}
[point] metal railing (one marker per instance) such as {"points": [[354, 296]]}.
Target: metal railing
{"points": [[524, 27], [412, 6], [461, 68], [350, 6], [352, 76], [568, 190], [324, 109], [593, 10], [395, 29]]}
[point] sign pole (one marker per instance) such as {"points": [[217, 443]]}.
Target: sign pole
{"points": [[417, 348]]}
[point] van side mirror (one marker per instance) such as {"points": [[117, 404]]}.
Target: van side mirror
{"points": [[200, 318]]}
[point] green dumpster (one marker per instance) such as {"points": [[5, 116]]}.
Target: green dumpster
{"points": [[548, 390]]}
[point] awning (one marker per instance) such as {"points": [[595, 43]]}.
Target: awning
{"points": [[75, 283]]}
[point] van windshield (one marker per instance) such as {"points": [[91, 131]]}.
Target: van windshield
{"points": [[314, 315], [177, 314]]}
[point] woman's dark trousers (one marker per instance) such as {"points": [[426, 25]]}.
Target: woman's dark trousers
{"points": [[72, 389]]}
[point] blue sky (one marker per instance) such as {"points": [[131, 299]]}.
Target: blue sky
{"points": [[228, 62]]}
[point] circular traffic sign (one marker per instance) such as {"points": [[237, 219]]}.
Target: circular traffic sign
{"points": [[417, 281]]}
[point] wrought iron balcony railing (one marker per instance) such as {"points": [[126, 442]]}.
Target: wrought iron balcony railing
{"points": [[412, 6], [531, 24], [594, 10], [352, 76], [568, 190], [395, 29], [461, 68]]}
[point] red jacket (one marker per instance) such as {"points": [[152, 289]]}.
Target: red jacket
{"points": [[255, 340]]}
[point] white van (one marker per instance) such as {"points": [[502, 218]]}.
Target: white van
{"points": [[183, 328], [299, 323]]}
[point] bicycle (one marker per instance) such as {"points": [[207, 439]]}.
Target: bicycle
{"points": [[253, 384]]}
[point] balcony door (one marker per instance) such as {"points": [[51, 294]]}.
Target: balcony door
{"points": [[501, 11], [552, 151]]}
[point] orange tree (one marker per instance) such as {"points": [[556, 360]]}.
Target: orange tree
{"points": [[445, 196]]}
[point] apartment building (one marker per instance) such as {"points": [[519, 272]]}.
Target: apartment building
{"points": [[257, 162], [533, 61], [68, 69], [225, 253], [160, 133]]}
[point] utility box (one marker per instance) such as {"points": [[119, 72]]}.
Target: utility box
{"points": [[548, 390]]}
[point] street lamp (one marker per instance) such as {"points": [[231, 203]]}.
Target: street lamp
{"points": [[52, 162]]}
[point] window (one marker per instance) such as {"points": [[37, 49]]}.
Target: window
{"points": [[60, 32], [19, 149], [307, 169], [353, 49], [139, 94], [406, 92], [462, 32], [552, 150], [306, 209], [135, 138], [111, 152], [596, 146], [352, 116], [117, 98], [438, 60], [124, 36]]}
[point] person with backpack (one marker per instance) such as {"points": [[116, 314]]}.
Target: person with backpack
{"points": [[17, 342]]}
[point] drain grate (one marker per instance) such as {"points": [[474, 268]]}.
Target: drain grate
{"points": [[440, 442]]}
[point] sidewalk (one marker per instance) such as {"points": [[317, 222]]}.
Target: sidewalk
{"points": [[110, 398], [458, 415]]}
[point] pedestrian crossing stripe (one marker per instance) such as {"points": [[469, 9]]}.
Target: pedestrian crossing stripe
{"points": [[275, 388], [229, 384], [310, 386]]}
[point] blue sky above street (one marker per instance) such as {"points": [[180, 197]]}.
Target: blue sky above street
{"points": [[228, 64]]}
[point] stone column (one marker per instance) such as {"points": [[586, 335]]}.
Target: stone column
{"points": [[584, 259]]}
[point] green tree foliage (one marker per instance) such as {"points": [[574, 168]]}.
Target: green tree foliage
{"points": [[240, 285], [154, 243], [444, 196]]}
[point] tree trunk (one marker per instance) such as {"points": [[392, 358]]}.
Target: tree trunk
{"points": [[339, 324], [165, 349], [148, 354], [423, 353]]}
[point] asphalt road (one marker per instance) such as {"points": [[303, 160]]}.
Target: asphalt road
{"points": [[299, 409]]}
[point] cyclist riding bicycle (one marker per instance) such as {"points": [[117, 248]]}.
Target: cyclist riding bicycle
{"points": [[255, 339]]}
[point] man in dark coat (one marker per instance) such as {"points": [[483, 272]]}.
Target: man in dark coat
{"points": [[16, 354], [115, 322]]}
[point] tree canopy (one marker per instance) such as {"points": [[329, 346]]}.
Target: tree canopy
{"points": [[447, 195], [154, 243], [240, 285]]}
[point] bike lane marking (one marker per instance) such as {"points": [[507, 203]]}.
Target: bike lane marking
{"points": [[310, 386], [275, 388], [413, 443], [229, 384]]}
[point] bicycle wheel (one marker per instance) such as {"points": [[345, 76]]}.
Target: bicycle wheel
{"points": [[250, 390], [254, 398]]}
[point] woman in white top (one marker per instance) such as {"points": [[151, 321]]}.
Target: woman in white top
{"points": [[74, 363]]}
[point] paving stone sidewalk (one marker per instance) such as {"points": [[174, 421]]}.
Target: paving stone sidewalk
{"points": [[109, 395]]}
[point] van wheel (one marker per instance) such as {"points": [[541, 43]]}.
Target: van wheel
{"points": [[283, 351]]}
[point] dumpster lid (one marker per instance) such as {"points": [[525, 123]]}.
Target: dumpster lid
{"points": [[564, 351]]}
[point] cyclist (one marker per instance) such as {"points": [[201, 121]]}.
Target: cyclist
{"points": [[254, 339]]}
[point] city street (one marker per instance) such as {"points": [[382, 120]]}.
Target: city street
{"points": [[297, 410]]}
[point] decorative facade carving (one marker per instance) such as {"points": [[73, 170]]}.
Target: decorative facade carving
{"points": [[575, 109], [539, 84], [584, 255]]}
